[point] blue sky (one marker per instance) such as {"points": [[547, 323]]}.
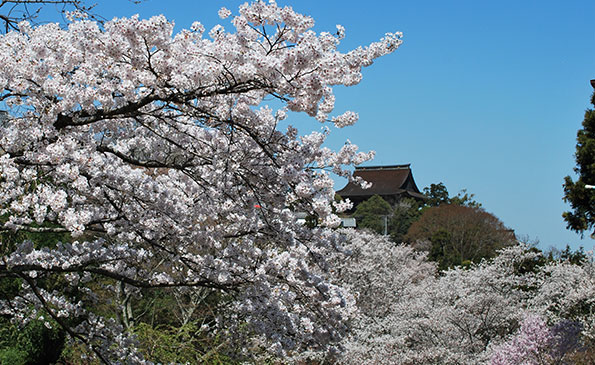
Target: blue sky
{"points": [[483, 96]]}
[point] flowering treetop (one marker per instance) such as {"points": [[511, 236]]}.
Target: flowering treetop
{"points": [[152, 150]]}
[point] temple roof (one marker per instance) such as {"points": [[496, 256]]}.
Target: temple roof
{"points": [[386, 181]]}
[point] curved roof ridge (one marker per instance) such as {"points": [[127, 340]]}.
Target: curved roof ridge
{"points": [[383, 167], [385, 180]]}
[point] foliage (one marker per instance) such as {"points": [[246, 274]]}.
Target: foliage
{"points": [[567, 254], [581, 218], [437, 194], [379, 216], [373, 214], [405, 213], [456, 233], [150, 151], [167, 345], [33, 344]]}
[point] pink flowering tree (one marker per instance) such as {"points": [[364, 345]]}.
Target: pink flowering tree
{"points": [[529, 346], [156, 153], [535, 343]]}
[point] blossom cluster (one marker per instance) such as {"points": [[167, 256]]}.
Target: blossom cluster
{"points": [[156, 152], [535, 343], [512, 309]]}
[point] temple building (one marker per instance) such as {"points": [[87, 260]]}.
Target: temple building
{"points": [[392, 183]]}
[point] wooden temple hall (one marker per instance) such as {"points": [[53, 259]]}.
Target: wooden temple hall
{"points": [[392, 183]]}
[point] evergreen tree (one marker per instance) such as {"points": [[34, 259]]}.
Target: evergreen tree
{"points": [[582, 199], [437, 194], [405, 213], [372, 214]]}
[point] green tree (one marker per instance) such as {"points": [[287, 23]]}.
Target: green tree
{"points": [[405, 213], [581, 218], [437, 194], [376, 214], [33, 344], [576, 257], [465, 199], [373, 214]]}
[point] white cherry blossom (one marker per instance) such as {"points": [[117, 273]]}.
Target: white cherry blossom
{"points": [[154, 148]]}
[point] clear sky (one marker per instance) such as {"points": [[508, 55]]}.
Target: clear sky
{"points": [[482, 95]]}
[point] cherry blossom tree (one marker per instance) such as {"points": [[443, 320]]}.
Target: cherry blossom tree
{"points": [[383, 276], [157, 154], [535, 343], [411, 314], [567, 292]]}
